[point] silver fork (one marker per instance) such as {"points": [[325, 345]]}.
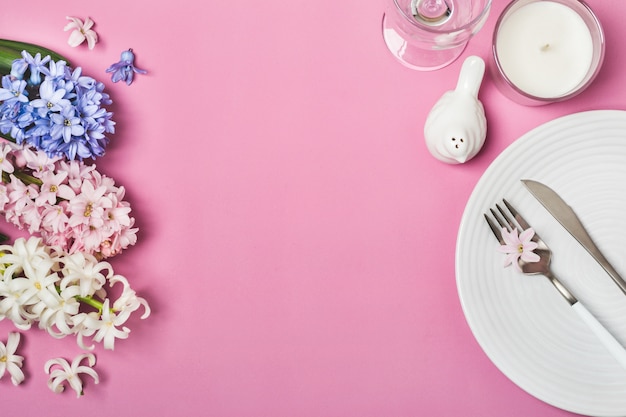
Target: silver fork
{"points": [[511, 219]]}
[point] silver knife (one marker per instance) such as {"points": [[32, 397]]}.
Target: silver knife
{"points": [[561, 211]]}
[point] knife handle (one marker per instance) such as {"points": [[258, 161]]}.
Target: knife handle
{"points": [[615, 348]]}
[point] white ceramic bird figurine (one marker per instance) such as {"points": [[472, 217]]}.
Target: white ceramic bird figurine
{"points": [[456, 126]]}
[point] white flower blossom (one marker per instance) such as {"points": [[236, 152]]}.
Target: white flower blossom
{"points": [[56, 311], [10, 307], [82, 331], [64, 294], [106, 327], [70, 373], [81, 32], [84, 269], [128, 301], [38, 285], [22, 253], [9, 361]]}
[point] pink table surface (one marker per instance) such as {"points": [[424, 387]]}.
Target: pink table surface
{"points": [[297, 239]]}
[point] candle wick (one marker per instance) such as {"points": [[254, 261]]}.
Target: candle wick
{"points": [[545, 47]]}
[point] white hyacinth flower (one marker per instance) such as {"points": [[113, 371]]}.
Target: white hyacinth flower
{"points": [[106, 328], [70, 373], [81, 32], [9, 361]]}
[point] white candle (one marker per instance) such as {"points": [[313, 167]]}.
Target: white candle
{"points": [[545, 49]]}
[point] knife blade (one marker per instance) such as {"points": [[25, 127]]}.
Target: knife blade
{"points": [[565, 215]]}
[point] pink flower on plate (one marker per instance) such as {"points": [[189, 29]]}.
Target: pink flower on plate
{"points": [[518, 247], [81, 32]]}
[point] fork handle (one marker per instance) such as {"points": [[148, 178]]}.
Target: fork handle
{"points": [[615, 348]]}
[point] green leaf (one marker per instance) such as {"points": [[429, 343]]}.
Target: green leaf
{"points": [[32, 49], [11, 50]]}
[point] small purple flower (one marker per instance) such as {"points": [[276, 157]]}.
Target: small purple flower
{"points": [[66, 124], [13, 90], [51, 98], [125, 68], [36, 64]]}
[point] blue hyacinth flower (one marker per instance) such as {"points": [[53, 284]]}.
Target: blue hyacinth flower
{"points": [[125, 69]]}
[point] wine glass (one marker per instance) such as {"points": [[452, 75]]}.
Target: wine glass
{"points": [[430, 34]]}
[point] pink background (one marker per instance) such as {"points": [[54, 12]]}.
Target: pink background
{"points": [[297, 239]]}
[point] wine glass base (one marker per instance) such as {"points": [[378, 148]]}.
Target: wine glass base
{"points": [[414, 54]]}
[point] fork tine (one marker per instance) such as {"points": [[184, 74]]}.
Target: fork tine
{"points": [[498, 218], [495, 229], [523, 223], [507, 218]]}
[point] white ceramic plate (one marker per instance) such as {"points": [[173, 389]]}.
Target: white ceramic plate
{"points": [[522, 323]]}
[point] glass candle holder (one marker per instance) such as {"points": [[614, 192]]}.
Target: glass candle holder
{"points": [[546, 51]]}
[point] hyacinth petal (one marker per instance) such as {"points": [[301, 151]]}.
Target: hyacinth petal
{"points": [[81, 343], [530, 257], [92, 39], [5, 95], [89, 371], [92, 373], [70, 26], [91, 358], [76, 22], [531, 246], [88, 24], [3, 364], [146, 307], [527, 235], [510, 238], [76, 38], [12, 342], [55, 384], [117, 75], [511, 258], [17, 376], [77, 385], [55, 373], [508, 248], [114, 67], [73, 25]]}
